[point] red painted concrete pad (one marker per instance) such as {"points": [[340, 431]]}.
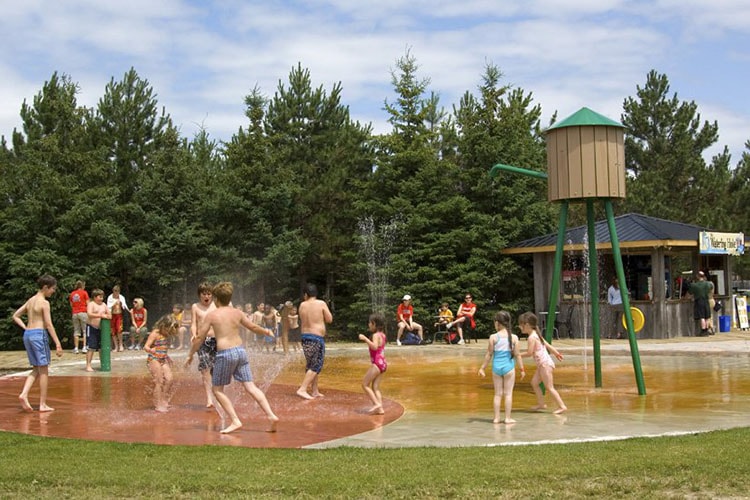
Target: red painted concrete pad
{"points": [[120, 409]]}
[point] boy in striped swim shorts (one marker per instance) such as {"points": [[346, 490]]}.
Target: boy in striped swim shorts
{"points": [[231, 356]]}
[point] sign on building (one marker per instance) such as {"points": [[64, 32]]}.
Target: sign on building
{"points": [[721, 243]]}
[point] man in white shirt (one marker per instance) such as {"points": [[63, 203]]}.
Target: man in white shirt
{"points": [[614, 299]]}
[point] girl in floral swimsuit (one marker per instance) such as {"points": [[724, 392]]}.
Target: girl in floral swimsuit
{"points": [[539, 349], [158, 361], [371, 382]]}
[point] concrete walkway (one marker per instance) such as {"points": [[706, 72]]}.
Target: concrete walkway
{"points": [[692, 385]]}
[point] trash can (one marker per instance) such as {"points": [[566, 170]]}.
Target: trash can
{"points": [[725, 323]]}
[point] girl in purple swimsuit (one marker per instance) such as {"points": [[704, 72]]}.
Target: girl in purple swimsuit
{"points": [[371, 382]]}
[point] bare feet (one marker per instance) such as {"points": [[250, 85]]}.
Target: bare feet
{"points": [[209, 405], [233, 427], [274, 422], [376, 410], [538, 408], [162, 409], [497, 421], [318, 395], [560, 410], [509, 421], [25, 403], [89, 369], [303, 394]]}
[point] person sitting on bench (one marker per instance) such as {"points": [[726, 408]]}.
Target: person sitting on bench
{"points": [[404, 314], [464, 318]]}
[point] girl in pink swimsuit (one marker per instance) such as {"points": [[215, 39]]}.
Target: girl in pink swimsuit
{"points": [[539, 349], [371, 382]]}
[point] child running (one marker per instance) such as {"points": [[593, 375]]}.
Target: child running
{"points": [[231, 356], [159, 363], [503, 350], [37, 330], [538, 348], [371, 382]]}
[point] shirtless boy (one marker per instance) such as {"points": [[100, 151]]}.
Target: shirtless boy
{"points": [[96, 310], [38, 325], [231, 357], [206, 348], [314, 314]]}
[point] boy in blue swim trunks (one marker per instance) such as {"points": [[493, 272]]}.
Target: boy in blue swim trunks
{"points": [[231, 356], [314, 315], [35, 339]]}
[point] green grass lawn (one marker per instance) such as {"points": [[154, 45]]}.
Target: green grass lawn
{"points": [[706, 465]]}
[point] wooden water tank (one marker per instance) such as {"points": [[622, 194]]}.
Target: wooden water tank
{"points": [[586, 157]]}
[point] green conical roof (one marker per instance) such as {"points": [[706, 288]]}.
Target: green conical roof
{"points": [[585, 117]]}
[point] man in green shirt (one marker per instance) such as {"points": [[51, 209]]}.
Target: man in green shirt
{"points": [[700, 290]]}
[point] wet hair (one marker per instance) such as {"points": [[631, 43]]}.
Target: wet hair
{"points": [[204, 288], [178, 307], [378, 320], [311, 290], [222, 292], [529, 318], [167, 325], [503, 317], [46, 280], [96, 292]]}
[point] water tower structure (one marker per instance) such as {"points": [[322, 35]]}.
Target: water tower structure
{"points": [[586, 164]]}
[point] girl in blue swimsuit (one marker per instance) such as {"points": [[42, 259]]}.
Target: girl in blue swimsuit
{"points": [[503, 350]]}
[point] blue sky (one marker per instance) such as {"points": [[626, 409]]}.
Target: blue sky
{"points": [[203, 58]]}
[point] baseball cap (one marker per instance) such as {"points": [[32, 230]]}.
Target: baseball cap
{"points": [[407, 297]]}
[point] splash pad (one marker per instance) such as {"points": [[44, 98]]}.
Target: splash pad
{"points": [[118, 406], [434, 398]]}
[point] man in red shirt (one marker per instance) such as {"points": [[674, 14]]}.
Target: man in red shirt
{"points": [[405, 317], [79, 300]]}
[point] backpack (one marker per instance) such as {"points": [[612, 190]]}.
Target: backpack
{"points": [[452, 337], [411, 338]]}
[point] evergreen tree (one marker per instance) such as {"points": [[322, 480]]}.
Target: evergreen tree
{"points": [[42, 182], [664, 146], [319, 157], [500, 125]]}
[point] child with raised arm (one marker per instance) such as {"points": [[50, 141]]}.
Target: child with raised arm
{"points": [[505, 353], [36, 341], [231, 356], [159, 363], [371, 382], [538, 348]]}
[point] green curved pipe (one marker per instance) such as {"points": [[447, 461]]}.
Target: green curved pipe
{"points": [[495, 171]]}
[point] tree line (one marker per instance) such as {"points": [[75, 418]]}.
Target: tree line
{"points": [[114, 194]]}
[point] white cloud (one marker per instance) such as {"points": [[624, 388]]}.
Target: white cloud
{"points": [[202, 58]]}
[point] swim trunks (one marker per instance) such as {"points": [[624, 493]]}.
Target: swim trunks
{"points": [[207, 354], [231, 363], [36, 343], [314, 347], [93, 337]]}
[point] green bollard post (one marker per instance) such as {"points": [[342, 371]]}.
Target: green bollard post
{"points": [[106, 345]]}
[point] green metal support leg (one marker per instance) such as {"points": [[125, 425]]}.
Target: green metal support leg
{"points": [[594, 288], [625, 299], [554, 293]]}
